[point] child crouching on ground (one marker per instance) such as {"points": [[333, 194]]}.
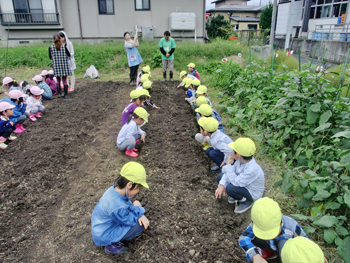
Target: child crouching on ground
{"points": [[147, 85], [190, 92], [243, 182], [19, 115], [34, 104], [192, 71], [265, 237], [206, 111], [145, 70], [6, 126], [115, 220], [47, 94], [203, 91], [220, 150], [183, 75], [137, 100], [131, 132], [144, 78]]}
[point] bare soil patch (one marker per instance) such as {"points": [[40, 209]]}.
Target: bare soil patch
{"points": [[53, 175]]}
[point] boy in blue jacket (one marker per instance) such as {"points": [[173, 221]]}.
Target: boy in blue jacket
{"points": [[6, 126], [115, 220], [220, 150]]}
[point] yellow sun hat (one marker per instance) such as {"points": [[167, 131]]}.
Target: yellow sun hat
{"points": [[187, 82], [144, 77], [135, 173], [209, 124], [243, 146], [202, 90], [191, 65], [201, 100], [301, 250], [147, 84], [266, 216], [205, 109], [144, 92], [134, 94], [183, 73], [196, 82], [142, 113], [146, 69]]}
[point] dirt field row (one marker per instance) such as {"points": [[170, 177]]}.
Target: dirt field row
{"points": [[54, 174]]}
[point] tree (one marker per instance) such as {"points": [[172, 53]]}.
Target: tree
{"points": [[266, 17], [218, 27]]}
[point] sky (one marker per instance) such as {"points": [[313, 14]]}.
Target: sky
{"points": [[252, 2]]}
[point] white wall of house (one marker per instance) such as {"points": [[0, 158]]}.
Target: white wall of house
{"points": [[102, 26], [283, 15]]}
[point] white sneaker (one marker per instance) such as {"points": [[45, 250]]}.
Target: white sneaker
{"points": [[3, 145], [11, 138]]}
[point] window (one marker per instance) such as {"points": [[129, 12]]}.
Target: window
{"points": [[327, 8], [251, 26], [142, 5], [106, 7], [29, 12]]}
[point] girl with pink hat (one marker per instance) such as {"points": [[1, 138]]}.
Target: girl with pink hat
{"points": [[11, 84], [19, 115], [47, 92], [6, 126], [49, 80], [34, 104]]}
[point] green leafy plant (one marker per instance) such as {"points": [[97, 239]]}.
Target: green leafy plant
{"points": [[156, 61]]}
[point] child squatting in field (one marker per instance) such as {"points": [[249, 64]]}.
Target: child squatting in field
{"points": [[131, 132], [243, 181], [137, 99], [6, 126], [34, 104], [115, 220]]}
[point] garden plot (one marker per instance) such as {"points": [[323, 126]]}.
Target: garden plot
{"points": [[53, 175]]}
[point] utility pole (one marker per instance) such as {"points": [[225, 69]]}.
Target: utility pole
{"points": [[273, 25], [289, 25]]}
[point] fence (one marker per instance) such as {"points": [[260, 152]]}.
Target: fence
{"points": [[331, 32], [28, 18], [255, 36]]}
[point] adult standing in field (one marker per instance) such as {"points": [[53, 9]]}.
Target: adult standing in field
{"points": [[71, 60], [59, 56], [167, 47], [134, 57]]}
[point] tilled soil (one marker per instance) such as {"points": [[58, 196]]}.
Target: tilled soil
{"points": [[53, 175]]}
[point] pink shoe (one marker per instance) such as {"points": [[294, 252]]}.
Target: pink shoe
{"points": [[137, 141], [32, 117], [18, 128], [38, 114], [70, 89], [3, 139], [22, 128], [131, 153], [135, 150]]}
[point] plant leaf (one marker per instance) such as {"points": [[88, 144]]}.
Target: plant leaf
{"points": [[329, 235], [345, 160], [322, 127], [325, 117], [309, 230], [300, 217], [315, 107], [311, 117], [326, 221], [347, 199], [342, 231], [345, 134]]}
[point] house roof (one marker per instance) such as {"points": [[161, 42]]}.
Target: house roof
{"points": [[237, 8], [245, 19]]}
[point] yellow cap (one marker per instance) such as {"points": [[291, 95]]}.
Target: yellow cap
{"points": [[144, 77], [187, 82], [301, 250], [142, 113], [147, 84], [266, 216], [135, 173], [182, 73], [134, 94], [196, 82], [201, 100], [191, 65], [243, 146], [209, 124], [202, 90], [144, 92], [146, 69], [205, 110]]}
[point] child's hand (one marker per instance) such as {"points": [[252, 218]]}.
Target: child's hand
{"points": [[222, 164], [220, 191], [157, 108], [205, 139], [178, 86], [230, 159], [258, 259], [11, 123], [193, 100], [143, 221], [143, 136], [136, 203]]}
